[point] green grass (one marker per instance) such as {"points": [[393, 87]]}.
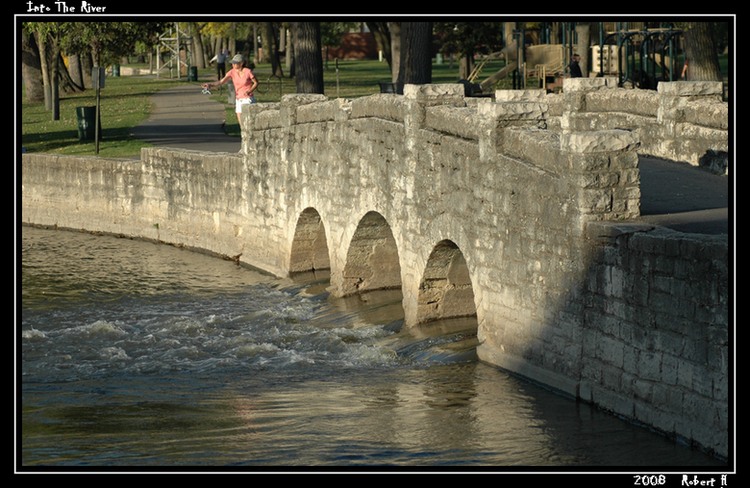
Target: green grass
{"points": [[125, 103]]}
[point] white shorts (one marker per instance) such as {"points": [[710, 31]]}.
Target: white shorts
{"points": [[239, 102]]}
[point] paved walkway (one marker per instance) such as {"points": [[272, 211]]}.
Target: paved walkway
{"points": [[183, 117], [684, 197], [674, 195]]}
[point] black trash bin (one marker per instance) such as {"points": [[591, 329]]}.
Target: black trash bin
{"points": [[86, 119], [192, 73]]}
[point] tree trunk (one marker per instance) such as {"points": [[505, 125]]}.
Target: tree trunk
{"points": [[198, 57], [257, 53], [465, 65], [41, 41], [54, 57], [583, 35], [67, 84], [75, 71], [86, 66], [395, 43], [510, 47], [309, 58], [271, 45], [289, 49], [416, 54], [701, 52], [291, 52], [216, 42], [31, 68], [381, 31]]}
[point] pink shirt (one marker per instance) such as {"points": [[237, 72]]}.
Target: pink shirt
{"points": [[243, 81]]}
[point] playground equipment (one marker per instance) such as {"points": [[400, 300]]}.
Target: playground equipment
{"points": [[176, 45], [542, 63], [639, 57]]}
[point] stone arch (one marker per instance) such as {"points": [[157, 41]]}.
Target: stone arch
{"points": [[446, 290], [372, 262], [309, 246]]}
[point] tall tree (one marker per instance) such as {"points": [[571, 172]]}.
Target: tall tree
{"points": [[395, 30], [309, 58], [194, 31], [75, 71], [583, 38], [47, 36], [381, 33], [416, 54], [31, 68], [702, 51], [270, 39], [102, 41]]}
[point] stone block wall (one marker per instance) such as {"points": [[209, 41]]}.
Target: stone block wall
{"points": [[517, 199], [683, 121], [655, 332]]}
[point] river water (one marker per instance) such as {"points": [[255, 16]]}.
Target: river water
{"points": [[138, 355]]}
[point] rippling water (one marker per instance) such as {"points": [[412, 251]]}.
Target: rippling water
{"points": [[135, 354]]}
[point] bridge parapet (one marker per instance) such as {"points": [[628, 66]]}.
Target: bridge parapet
{"points": [[681, 121], [599, 166]]}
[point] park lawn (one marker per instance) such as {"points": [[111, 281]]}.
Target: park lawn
{"points": [[124, 104]]}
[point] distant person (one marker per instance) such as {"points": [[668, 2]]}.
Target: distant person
{"points": [[574, 67], [684, 70], [221, 63], [244, 82]]}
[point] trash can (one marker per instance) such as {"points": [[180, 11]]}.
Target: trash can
{"points": [[115, 70], [192, 73], [86, 118]]}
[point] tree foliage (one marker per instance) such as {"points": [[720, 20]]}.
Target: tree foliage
{"points": [[108, 41], [466, 39]]}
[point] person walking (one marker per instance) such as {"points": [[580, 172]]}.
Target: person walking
{"points": [[244, 81], [221, 63], [574, 67]]}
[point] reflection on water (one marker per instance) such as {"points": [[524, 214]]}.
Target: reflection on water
{"points": [[143, 355]]}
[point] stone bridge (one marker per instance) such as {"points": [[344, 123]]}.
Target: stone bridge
{"points": [[521, 211]]}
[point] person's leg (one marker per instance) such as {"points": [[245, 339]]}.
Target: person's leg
{"points": [[238, 108]]}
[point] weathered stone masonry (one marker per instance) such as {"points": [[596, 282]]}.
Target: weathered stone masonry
{"points": [[500, 208]]}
